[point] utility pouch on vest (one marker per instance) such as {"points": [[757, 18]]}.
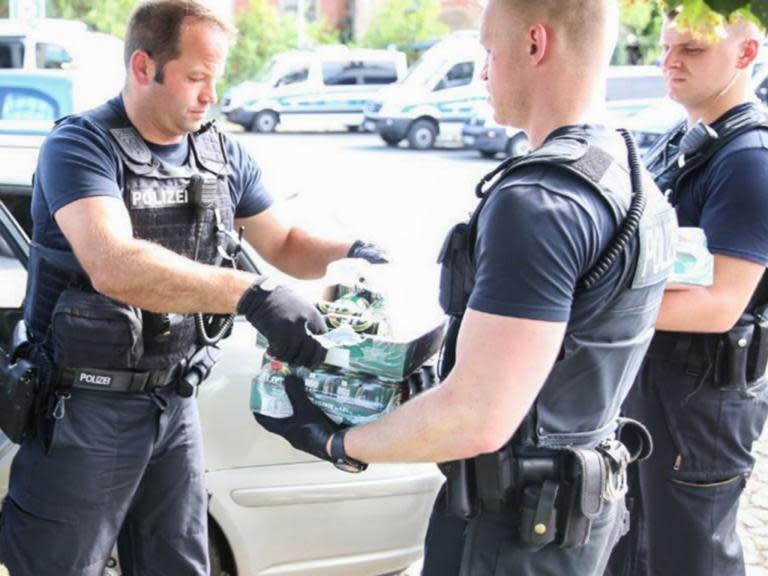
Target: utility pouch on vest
{"points": [[457, 274], [89, 329], [18, 384], [584, 500], [733, 355]]}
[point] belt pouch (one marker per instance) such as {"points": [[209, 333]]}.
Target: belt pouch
{"points": [[459, 488], [538, 513], [91, 330], [585, 500], [734, 354], [759, 351]]}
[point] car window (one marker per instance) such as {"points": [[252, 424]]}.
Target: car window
{"points": [[459, 75], [635, 87], [51, 56], [27, 104], [11, 53], [378, 72], [14, 278], [341, 73], [293, 77]]}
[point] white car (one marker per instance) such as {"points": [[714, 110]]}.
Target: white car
{"points": [[273, 510]]}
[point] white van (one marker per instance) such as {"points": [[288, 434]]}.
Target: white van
{"points": [[94, 61], [440, 92], [331, 83]]}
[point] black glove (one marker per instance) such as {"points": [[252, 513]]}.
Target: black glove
{"points": [[368, 251], [308, 428], [285, 320]]}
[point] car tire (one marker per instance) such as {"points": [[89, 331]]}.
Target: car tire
{"points": [[218, 553], [422, 135], [518, 145], [487, 154], [265, 122], [390, 141]]}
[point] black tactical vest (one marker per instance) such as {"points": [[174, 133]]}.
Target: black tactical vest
{"points": [[580, 400], [672, 161], [186, 209]]}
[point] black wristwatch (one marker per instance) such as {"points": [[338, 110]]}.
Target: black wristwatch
{"points": [[339, 456]]}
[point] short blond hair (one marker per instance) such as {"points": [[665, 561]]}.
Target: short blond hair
{"points": [[582, 23]]}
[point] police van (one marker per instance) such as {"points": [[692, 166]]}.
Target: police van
{"points": [[331, 84], [93, 61], [439, 94]]}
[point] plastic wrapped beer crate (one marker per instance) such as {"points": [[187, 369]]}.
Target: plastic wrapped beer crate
{"points": [[347, 398], [401, 311], [694, 264]]}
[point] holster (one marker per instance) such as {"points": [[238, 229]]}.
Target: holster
{"points": [[741, 357], [18, 387]]}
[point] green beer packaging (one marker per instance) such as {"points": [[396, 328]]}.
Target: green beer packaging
{"points": [[347, 398]]}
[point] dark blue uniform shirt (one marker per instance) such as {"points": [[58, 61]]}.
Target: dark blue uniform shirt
{"points": [[79, 159], [728, 198], [537, 236]]}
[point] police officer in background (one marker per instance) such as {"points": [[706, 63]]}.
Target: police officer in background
{"points": [[132, 205], [702, 388], [552, 288]]}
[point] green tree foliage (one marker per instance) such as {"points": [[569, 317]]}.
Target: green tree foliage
{"points": [[643, 21], [261, 33], [110, 16], [403, 22], [4, 8], [707, 17]]}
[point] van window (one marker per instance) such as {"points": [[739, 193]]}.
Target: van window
{"points": [[11, 53], [293, 77], [378, 73], [27, 104], [459, 75], [340, 73], [51, 56]]}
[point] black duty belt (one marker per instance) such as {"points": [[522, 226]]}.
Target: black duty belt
{"points": [[115, 380]]}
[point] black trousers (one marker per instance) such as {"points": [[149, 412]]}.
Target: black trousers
{"points": [[684, 499], [122, 468]]}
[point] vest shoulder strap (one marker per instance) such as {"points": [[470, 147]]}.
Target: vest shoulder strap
{"points": [[208, 147], [130, 143]]}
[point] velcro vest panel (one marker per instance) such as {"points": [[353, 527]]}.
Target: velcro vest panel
{"points": [[162, 209], [580, 400]]}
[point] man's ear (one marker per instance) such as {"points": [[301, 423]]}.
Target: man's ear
{"points": [[142, 67], [748, 52], [538, 42]]}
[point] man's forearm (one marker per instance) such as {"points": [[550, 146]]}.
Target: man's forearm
{"points": [[306, 256], [436, 426], [151, 277]]}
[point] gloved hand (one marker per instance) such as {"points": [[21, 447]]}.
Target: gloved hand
{"points": [[308, 428], [368, 251], [285, 320]]}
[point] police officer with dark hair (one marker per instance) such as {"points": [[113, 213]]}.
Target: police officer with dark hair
{"points": [[702, 389], [552, 289], [134, 206]]}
